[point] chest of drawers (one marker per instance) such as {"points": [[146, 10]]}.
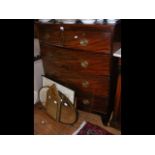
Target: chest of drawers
{"points": [[80, 57]]}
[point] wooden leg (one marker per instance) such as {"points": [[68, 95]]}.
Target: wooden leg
{"points": [[118, 96], [116, 120]]}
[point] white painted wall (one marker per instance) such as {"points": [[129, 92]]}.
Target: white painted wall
{"points": [[38, 71], [36, 47]]}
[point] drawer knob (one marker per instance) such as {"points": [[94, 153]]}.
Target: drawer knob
{"points": [[85, 84], [83, 42], [85, 101], [42, 122], [61, 28], [84, 64], [76, 37]]}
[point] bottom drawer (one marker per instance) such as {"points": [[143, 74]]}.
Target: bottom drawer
{"points": [[84, 102], [92, 99], [90, 103]]}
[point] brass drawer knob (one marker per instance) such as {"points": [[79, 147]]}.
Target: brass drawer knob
{"points": [[83, 42], [85, 101], [85, 84], [84, 64]]}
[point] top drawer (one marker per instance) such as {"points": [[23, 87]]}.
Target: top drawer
{"points": [[83, 37], [50, 34], [94, 40]]}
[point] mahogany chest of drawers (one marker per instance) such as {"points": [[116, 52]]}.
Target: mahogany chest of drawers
{"points": [[80, 57]]}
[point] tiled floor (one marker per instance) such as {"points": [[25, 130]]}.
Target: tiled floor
{"points": [[44, 125]]}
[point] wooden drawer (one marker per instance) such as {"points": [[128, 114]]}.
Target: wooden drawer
{"points": [[84, 37], [73, 62], [85, 101], [94, 40], [97, 86], [92, 103], [50, 34]]}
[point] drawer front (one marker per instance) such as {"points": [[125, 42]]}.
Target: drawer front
{"points": [[84, 102], [93, 103], [92, 96], [98, 86], [50, 35], [71, 62], [94, 40]]}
